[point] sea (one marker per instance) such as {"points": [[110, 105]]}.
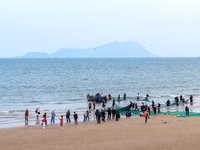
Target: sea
{"points": [[61, 84]]}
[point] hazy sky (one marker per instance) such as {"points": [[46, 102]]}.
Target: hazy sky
{"points": [[172, 26]]}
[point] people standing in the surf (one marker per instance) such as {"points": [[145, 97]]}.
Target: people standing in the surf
{"points": [[191, 98], [113, 113], [158, 107], [68, 116], [124, 96], [109, 113], [103, 103], [176, 100], [152, 103], [53, 117], [90, 106], [138, 96], [142, 107], [187, 110], [168, 102], [113, 102], [37, 110], [94, 105], [147, 95], [61, 121], [75, 118], [109, 97], [181, 97], [26, 117], [118, 98], [136, 106], [130, 105]]}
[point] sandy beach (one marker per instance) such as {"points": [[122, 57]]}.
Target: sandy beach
{"points": [[161, 132]]}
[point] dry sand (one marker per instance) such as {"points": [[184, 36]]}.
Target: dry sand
{"points": [[162, 132]]}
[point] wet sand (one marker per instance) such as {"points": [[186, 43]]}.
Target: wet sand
{"points": [[162, 132]]}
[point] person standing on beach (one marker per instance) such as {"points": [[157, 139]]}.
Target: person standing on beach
{"points": [[117, 114], [75, 118], [187, 110], [146, 116], [94, 105], [88, 115], [61, 121], [53, 117], [43, 121], [158, 107], [98, 116], [90, 106], [26, 117], [109, 113], [84, 116], [45, 115], [168, 102], [113, 113], [68, 116], [124, 96]]}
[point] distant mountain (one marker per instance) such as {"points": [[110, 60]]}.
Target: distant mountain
{"points": [[113, 49]]}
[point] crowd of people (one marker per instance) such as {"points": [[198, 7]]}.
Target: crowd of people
{"points": [[110, 113]]}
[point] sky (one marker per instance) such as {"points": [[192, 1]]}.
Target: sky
{"points": [[166, 28]]}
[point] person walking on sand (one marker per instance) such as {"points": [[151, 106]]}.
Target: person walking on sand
{"points": [[26, 117], [68, 116], [75, 118], [43, 121], [53, 117], [146, 116], [61, 121]]}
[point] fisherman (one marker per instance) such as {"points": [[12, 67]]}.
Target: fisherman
{"points": [[117, 114], [191, 98], [109, 96], [113, 113], [152, 103], [147, 95], [168, 102], [109, 113], [158, 107], [146, 116], [124, 96], [90, 105], [118, 97], [187, 110], [113, 103], [176, 100]]}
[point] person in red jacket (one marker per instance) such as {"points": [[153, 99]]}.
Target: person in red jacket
{"points": [[61, 121], [43, 121], [26, 117]]}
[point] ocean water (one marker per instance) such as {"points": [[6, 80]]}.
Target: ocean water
{"points": [[62, 84]]}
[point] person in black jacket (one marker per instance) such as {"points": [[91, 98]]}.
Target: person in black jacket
{"points": [[68, 116], [117, 114], [109, 113], [187, 110]]}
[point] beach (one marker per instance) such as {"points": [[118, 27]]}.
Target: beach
{"points": [[161, 132]]}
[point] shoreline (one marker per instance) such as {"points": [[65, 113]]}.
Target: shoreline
{"points": [[161, 132]]}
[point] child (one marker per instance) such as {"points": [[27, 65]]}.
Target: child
{"points": [[43, 121], [61, 122]]}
